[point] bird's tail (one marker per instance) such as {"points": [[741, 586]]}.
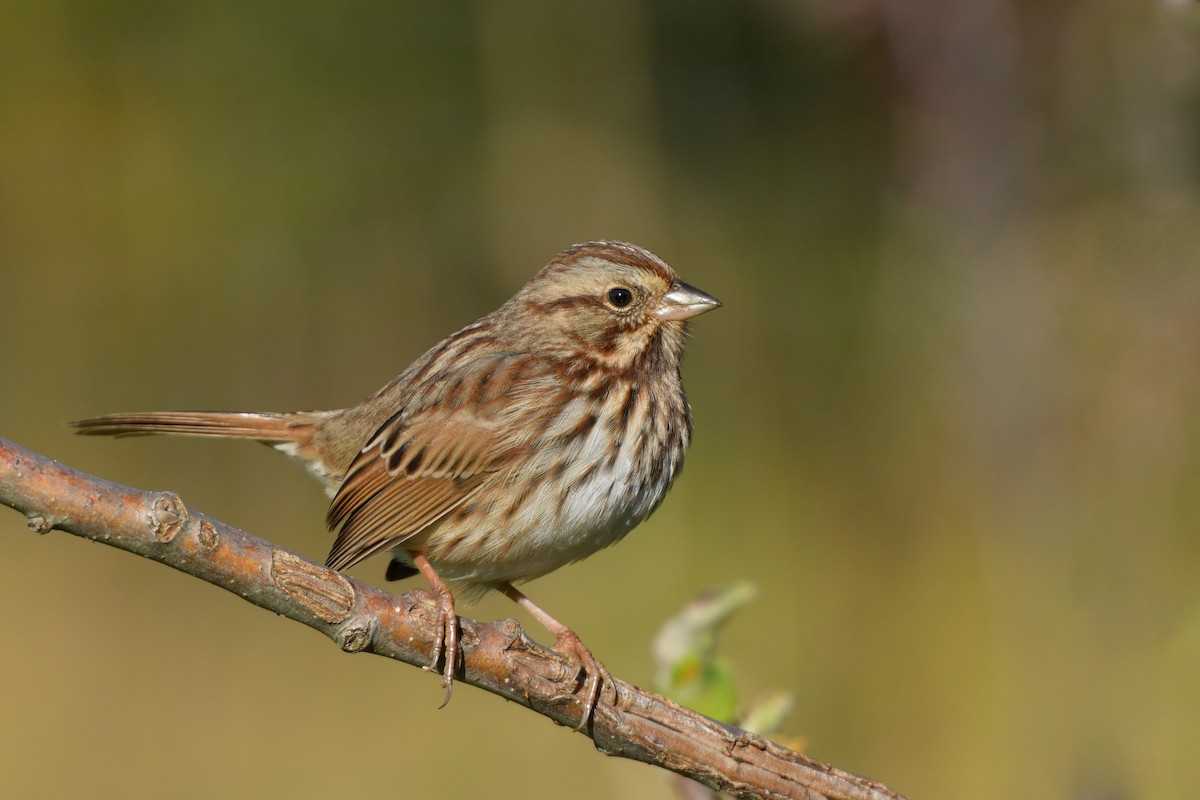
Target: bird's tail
{"points": [[264, 427]]}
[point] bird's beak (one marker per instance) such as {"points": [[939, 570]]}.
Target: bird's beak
{"points": [[684, 302]]}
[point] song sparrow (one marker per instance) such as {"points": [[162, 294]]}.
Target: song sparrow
{"points": [[529, 439]]}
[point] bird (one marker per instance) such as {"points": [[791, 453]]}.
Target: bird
{"points": [[535, 436]]}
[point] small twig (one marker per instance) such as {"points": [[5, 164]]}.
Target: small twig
{"points": [[496, 656]]}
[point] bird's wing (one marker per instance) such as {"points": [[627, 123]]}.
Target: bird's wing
{"points": [[425, 462]]}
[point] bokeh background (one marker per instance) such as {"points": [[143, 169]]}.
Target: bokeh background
{"points": [[948, 420]]}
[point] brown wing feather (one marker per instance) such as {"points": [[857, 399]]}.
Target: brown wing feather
{"points": [[454, 427], [396, 513], [411, 474]]}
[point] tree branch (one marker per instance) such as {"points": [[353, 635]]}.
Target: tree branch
{"points": [[496, 656]]}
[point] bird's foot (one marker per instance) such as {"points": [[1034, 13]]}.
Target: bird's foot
{"points": [[445, 640], [597, 676]]}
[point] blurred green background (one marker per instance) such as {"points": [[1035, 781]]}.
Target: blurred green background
{"points": [[948, 420]]}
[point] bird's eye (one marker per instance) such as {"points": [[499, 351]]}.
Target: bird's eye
{"points": [[619, 296]]}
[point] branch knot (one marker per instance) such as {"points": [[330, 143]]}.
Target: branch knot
{"points": [[167, 516], [354, 638]]}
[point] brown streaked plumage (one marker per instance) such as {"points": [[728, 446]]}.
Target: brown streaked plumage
{"points": [[529, 439]]}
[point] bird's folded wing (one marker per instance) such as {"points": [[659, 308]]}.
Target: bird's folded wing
{"points": [[411, 474]]}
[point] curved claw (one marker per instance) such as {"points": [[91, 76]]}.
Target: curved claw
{"points": [[446, 640], [570, 645]]}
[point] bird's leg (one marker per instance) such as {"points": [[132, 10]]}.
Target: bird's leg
{"points": [[447, 624], [568, 643]]}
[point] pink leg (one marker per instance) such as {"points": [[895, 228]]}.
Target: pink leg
{"points": [[447, 624], [568, 643]]}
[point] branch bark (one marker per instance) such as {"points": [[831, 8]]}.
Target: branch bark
{"points": [[496, 656]]}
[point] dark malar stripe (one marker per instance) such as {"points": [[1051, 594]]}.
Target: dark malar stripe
{"points": [[631, 398]]}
